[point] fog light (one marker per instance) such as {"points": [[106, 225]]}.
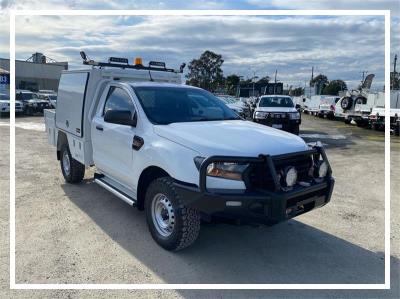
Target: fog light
{"points": [[290, 176], [322, 169]]}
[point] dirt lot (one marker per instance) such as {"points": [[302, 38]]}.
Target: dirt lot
{"points": [[84, 234]]}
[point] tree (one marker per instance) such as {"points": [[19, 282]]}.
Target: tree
{"points": [[334, 87], [264, 80], [319, 82], [297, 91], [206, 71], [231, 83], [394, 80]]}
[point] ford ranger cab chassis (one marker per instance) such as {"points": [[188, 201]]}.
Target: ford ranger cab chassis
{"points": [[179, 153]]}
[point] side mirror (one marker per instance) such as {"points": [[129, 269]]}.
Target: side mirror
{"points": [[298, 107], [121, 117], [83, 55]]}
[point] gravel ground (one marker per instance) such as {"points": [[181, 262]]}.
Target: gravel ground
{"points": [[84, 234]]}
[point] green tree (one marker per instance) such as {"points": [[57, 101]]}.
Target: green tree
{"points": [[206, 72], [394, 80], [296, 92], [231, 83], [334, 86], [264, 80]]}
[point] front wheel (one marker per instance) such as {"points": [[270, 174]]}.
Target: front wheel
{"points": [[72, 170], [172, 225]]}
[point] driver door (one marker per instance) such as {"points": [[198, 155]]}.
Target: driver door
{"points": [[112, 142]]}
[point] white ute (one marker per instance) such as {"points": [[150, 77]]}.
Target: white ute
{"points": [[178, 152]]}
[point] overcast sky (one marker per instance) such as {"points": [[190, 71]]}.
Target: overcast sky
{"points": [[339, 47]]}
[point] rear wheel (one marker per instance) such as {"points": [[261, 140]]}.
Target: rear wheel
{"points": [[72, 170], [172, 225]]}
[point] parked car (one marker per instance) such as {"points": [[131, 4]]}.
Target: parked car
{"points": [[178, 153], [377, 115], [327, 107], [31, 102], [5, 104], [48, 95], [233, 104], [279, 112]]}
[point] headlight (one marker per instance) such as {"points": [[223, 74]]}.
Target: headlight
{"points": [[225, 170], [295, 115], [260, 114], [289, 176]]}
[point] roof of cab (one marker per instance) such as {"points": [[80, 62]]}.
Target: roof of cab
{"points": [[160, 84]]}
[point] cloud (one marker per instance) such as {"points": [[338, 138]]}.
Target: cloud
{"points": [[340, 47]]}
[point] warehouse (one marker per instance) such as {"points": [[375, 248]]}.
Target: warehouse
{"points": [[38, 72]]}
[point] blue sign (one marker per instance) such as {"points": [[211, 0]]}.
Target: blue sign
{"points": [[5, 79]]}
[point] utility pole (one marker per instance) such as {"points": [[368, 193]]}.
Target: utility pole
{"points": [[394, 65], [254, 80], [238, 86], [312, 75], [276, 73]]}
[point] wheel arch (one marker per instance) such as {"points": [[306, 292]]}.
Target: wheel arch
{"points": [[61, 140], [146, 177]]}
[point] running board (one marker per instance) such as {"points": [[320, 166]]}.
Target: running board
{"points": [[100, 180]]}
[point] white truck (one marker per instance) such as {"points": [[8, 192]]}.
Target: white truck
{"points": [[178, 153], [327, 107], [377, 115], [278, 111]]}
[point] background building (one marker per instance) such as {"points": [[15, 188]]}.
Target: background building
{"points": [[38, 72]]}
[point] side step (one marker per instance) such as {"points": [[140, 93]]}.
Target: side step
{"points": [[111, 186]]}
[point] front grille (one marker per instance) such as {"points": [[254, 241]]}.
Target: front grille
{"points": [[259, 176]]}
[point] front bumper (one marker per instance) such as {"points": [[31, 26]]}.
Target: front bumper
{"points": [[256, 206], [259, 207], [327, 112], [288, 125]]}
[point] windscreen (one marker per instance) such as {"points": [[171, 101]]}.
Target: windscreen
{"points": [[276, 102], [165, 105], [25, 96]]}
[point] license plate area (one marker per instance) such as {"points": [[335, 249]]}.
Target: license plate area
{"points": [[277, 126]]}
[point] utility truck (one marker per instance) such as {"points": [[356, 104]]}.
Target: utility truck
{"points": [[178, 153]]}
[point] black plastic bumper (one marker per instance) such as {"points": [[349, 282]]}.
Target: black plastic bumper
{"points": [[261, 206], [286, 125]]}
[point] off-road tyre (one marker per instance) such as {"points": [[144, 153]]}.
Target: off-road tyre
{"points": [[346, 103], [76, 169], [187, 220]]}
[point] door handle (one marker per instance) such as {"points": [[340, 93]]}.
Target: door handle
{"points": [[100, 128]]}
